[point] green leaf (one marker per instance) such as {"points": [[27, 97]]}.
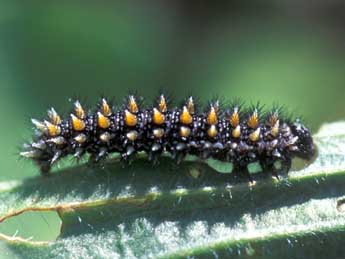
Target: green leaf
{"points": [[169, 211]]}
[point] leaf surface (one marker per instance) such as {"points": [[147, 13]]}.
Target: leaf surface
{"points": [[142, 211]]}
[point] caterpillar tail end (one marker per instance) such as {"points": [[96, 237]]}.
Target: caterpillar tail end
{"points": [[44, 168]]}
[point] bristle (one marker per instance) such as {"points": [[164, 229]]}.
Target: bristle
{"points": [[79, 111], [235, 118], [39, 145], [58, 140], [190, 105], [132, 104], [276, 153], [271, 145], [105, 108], [212, 118], [39, 125], [162, 105], [253, 120], [54, 117], [275, 129], [78, 153], [31, 154], [130, 151], [216, 106], [105, 137], [156, 147], [102, 153], [132, 135], [80, 138], [55, 157], [26, 146], [292, 141], [158, 133], [273, 118]]}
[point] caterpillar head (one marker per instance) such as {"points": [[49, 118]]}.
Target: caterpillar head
{"points": [[305, 145]]}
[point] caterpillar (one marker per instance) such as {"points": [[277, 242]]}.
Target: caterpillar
{"points": [[234, 134]]}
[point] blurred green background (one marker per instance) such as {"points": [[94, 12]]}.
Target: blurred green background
{"points": [[286, 52], [274, 52]]}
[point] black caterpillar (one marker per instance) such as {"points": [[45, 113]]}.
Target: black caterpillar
{"points": [[235, 135]]}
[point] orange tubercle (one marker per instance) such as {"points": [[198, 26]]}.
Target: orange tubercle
{"points": [[130, 119], [185, 116], [103, 122], [77, 124], [158, 118], [212, 118]]}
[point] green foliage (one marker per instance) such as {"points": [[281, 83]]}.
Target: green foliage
{"points": [[143, 211]]}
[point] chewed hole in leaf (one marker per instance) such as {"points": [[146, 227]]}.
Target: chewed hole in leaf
{"points": [[341, 205], [33, 226]]}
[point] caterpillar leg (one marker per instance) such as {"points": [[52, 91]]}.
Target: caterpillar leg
{"points": [[268, 168], [280, 167], [275, 172], [248, 175], [154, 153], [128, 155], [286, 166], [241, 170], [153, 157]]}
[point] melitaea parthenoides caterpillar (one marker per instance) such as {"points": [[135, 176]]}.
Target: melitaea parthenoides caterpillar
{"points": [[233, 134]]}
